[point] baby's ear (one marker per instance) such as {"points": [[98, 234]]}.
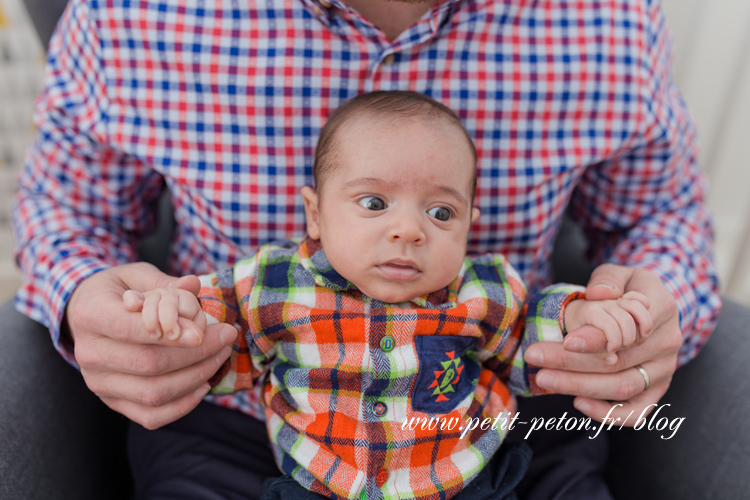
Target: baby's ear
{"points": [[474, 214], [312, 213]]}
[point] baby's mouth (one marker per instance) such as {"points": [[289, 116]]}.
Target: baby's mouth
{"points": [[399, 270]]}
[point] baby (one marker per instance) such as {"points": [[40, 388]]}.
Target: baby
{"points": [[377, 316]]}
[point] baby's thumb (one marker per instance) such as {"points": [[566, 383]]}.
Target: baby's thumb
{"points": [[586, 338]]}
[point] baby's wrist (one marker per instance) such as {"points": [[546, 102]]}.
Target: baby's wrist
{"points": [[570, 315]]}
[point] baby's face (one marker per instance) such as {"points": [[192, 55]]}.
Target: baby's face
{"points": [[395, 211]]}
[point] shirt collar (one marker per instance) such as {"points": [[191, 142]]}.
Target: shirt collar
{"points": [[436, 16], [313, 258]]}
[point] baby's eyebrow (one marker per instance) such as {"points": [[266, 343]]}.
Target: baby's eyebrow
{"points": [[365, 181], [452, 192]]}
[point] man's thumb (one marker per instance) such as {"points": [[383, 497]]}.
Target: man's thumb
{"points": [[608, 282], [191, 283]]}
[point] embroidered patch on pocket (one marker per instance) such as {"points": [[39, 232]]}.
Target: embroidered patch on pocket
{"points": [[446, 373]]}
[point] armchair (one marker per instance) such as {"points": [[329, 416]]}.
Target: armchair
{"points": [[59, 441]]}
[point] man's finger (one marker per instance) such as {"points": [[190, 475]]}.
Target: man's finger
{"points": [[608, 281], [619, 386], [158, 390], [141, 276], [191, 283], [554, 355], [140, 359], [153, 418], [629, 413]]}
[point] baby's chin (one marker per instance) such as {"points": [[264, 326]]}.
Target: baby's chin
{"points": [[394, 296]]}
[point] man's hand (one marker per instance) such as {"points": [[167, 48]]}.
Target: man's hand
{"points": [[150, 379], [580, 366]]}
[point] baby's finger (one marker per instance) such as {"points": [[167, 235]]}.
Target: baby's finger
{"points": [[133, 300], [638, 297], [191, 334], [190, 308], [151, 314], [168, 312], [200, 319], [603, 320], [625, 322], [641, 316]]}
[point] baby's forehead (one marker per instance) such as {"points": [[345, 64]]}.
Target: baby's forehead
{"points": [[370, 127], [367, 129]]}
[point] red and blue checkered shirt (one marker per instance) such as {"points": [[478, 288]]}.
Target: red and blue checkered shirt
{"points": [[570, 104], [350, 380]]}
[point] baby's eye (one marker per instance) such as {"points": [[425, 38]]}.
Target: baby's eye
{"points": [[440, 213], [372, 203]]}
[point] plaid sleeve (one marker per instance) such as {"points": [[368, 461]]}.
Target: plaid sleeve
{"points": [[645, 207], [522, 321], [80, 205], [542, 321], [225, 297]]}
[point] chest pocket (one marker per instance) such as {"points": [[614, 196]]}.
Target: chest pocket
{"points": [[447, 372]]}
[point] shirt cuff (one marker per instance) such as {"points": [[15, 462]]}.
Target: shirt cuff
{"points": [[698, 305], [45, 299], [546, 312], [575, 295]]}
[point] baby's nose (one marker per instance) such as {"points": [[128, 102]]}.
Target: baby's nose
{"points": [[406, 228]]}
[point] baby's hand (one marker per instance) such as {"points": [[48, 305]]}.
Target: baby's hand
{"points": [[162, 307], [621, 320]]}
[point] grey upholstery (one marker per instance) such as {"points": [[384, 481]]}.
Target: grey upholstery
{"points": [[709, 457], [57, 440], [44, 14]]}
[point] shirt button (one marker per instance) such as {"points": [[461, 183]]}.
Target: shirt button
{"points": [[387, 343], [379, 409], [388, 60], [381, 478]]}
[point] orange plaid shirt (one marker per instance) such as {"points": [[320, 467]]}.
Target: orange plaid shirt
{"points": [[343, 374]]}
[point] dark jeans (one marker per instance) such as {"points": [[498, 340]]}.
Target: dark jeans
{"points": [[497, 481], [215, 453], [212, 453], [567, 465]]}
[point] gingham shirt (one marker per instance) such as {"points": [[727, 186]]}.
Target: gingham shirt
{"points": [[347, 373], [569, 103]]}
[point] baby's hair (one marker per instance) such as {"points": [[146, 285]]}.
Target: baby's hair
{"points": [[393, 105]]}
